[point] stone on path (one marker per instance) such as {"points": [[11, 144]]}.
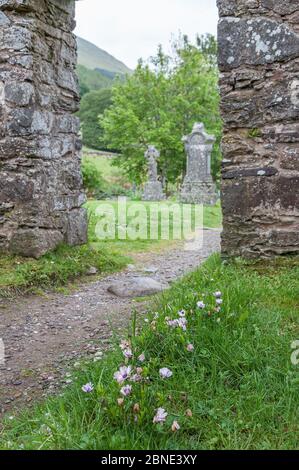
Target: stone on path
{"points": [[136, 287], [151, 270], [92, 271]]}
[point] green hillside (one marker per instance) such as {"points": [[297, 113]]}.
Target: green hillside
{"points": [[91, 80], [92, 57]]}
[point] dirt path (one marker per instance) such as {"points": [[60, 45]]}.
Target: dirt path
{"points": [[42, 335]]}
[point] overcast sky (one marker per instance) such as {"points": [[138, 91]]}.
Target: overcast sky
{"points": [[130, 29]]}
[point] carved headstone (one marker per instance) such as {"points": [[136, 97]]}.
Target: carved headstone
{"points": [[259, 65], [153, 190], [41, 193], [198, 186]]}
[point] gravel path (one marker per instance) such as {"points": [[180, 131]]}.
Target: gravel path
{"points": [[43, 334]]}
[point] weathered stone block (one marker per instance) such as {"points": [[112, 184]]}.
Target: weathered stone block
{"points": [[19, 94], [40, 179], [259, 62], [34, 242], [257, 41]]}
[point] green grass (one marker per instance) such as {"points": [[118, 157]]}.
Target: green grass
{"points": [[56, 269], [110, 173], [239, 382], [212, 218]]}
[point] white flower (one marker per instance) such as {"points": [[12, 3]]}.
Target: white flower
{"points": [[126, 390], [136, 378], [123, 374], [201, 304], [160, 416], [190, 347], [128, 353], [175, 426], [219, 301], [182, 313], [141, 358], [182, 323], [165, 373], [87, 388], [217, 294]]}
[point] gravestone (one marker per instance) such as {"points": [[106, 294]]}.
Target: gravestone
{"points": [[259, 83], [153, 190], [198, 186], [41, 193]]}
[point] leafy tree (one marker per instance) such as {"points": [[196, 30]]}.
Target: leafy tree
{"points": [[159, 104], [83, 89], [92, 177], [93, 104]]}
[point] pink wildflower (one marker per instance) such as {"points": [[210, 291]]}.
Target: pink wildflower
{"points": [[201, 304], [128, 353], [175, 426], [160, 416], [165, 373], [87, 388], [182, 323], [126, 390], [123, 374], [141, 358], [136, 378]]}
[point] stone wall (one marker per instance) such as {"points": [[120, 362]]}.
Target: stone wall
{"points": [[259, 64], [40, 180]]}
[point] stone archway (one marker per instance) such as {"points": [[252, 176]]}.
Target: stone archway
{"points": [[41, 193]]}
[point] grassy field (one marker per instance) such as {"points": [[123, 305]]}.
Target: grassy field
{"points": [[110, 173], [66, 264], [212, 218], [56, 269], [235, 389]]}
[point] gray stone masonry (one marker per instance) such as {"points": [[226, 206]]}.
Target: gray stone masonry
{"points": [[259, 65], [41, 192]]}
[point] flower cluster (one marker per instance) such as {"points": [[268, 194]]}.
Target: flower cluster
{"points": [[134, 369], [180, 322], [128, 373], [201, 305]]}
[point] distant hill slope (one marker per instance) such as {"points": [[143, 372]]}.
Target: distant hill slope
{"points": [[92, 57], [91, 80]]}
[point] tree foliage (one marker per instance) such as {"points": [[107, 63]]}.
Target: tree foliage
{"points": [[93, 104], [159, 104]]}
